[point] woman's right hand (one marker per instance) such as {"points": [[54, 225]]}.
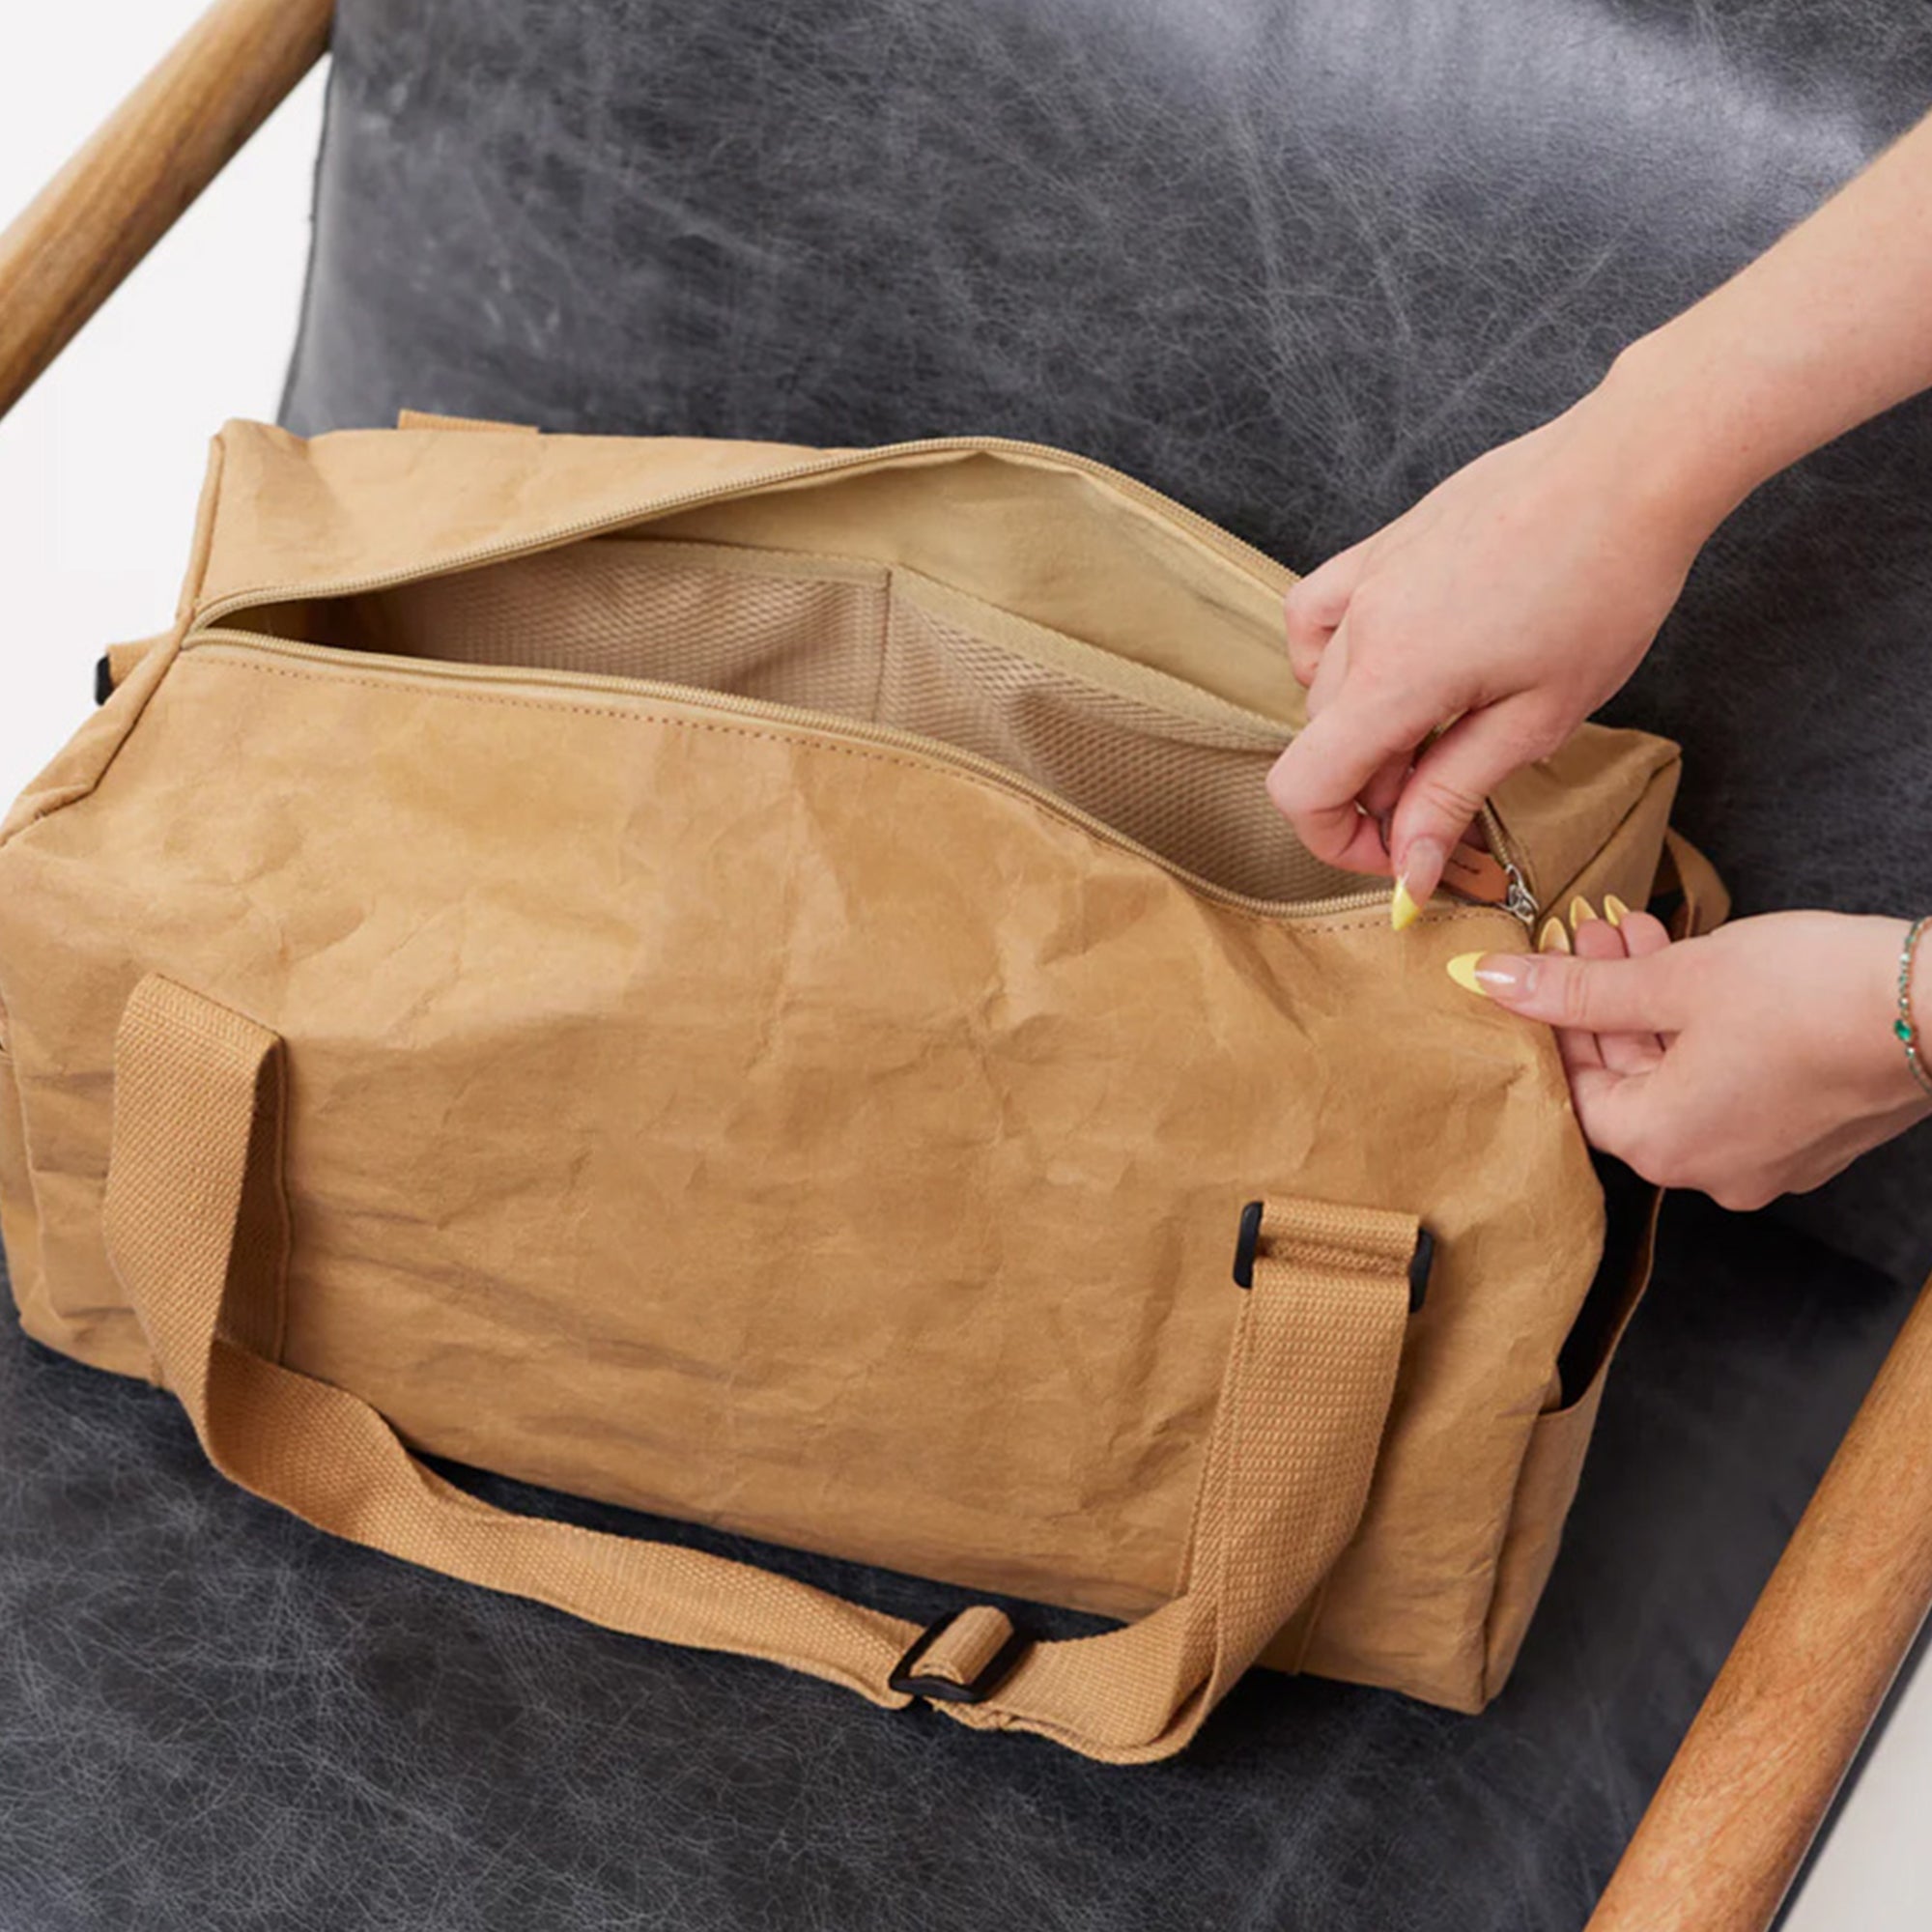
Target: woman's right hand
{"points": [[1506, 605], [1520, 593]]}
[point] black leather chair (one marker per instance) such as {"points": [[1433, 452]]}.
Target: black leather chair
{"points": [[1290, 261]]}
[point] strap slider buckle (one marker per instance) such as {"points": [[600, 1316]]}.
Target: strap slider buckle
{"points": [[1247, 1246], [908, 1680]]}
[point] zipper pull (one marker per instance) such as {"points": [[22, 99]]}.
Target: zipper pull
{"points": [[1485, 880]]}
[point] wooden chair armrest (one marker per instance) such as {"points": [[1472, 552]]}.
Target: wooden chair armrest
{"points": [[126, 187], [1753, 1780], [1750, 1784]]}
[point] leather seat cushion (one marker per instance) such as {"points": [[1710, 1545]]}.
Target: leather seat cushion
{"points": [[213, 1717]]}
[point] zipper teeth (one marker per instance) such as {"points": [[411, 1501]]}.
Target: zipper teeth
{"points": [[828, 723], [1522, 903]]}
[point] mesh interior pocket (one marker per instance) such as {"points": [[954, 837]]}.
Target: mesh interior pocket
{"points": [[775, 630], [1170, 766], [1190, 788]]}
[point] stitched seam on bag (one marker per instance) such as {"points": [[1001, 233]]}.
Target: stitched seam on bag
{"points": [[166, 646], [73, 794], [1372, 918], [204, 535]]}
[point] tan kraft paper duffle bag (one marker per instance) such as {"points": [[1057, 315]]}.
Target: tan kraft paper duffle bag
{"points": [[763, 985]]}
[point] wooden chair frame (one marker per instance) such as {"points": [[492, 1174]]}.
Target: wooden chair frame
{"points": [[1753, 1779]]}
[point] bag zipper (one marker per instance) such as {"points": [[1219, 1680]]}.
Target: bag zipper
{"points": [[826, 724], [1521, 899]]}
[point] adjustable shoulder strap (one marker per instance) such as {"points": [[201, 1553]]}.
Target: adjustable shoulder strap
{"points": [[198, 1237]]}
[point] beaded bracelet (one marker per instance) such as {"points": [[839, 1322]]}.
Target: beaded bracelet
{"points": [[1904, 1026]]}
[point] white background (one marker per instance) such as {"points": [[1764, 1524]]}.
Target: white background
{"points": [[101, 466], [100, 470]]}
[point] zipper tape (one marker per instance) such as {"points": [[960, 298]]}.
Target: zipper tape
{"points": [[1519, 899], [431, 671]]}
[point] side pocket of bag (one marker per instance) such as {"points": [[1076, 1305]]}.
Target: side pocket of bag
{"points": [[1545, 1490], [1553, 1465], [1694, 901]]}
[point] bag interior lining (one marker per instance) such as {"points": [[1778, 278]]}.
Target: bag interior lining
{"points": [[1164, 762]]}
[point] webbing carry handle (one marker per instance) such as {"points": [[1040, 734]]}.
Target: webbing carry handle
{"points": [[198, 1235]]}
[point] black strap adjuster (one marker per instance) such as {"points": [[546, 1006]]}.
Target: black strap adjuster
{"points": [[994, 1672], [1248, 1243]]}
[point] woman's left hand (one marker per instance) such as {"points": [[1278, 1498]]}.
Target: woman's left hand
{"points": [[1755, 1061]]}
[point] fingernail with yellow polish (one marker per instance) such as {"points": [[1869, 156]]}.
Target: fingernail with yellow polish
{"points": [[1553, 938], [1490, 973], [1581, 911], [1614, 909], [1403, 908]]}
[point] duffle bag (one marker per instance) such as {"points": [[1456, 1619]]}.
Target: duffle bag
{"points": [[763, 985]]}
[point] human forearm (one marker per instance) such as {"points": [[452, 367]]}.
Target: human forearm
{"points": [[1826, 330], [1474, 633]]}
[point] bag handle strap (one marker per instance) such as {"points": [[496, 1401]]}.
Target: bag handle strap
{"points": [[197, 1231]]}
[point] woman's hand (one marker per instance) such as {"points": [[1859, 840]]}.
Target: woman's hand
{"points": [[1757, 1061], [1507, 605], [1518, 594]]}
